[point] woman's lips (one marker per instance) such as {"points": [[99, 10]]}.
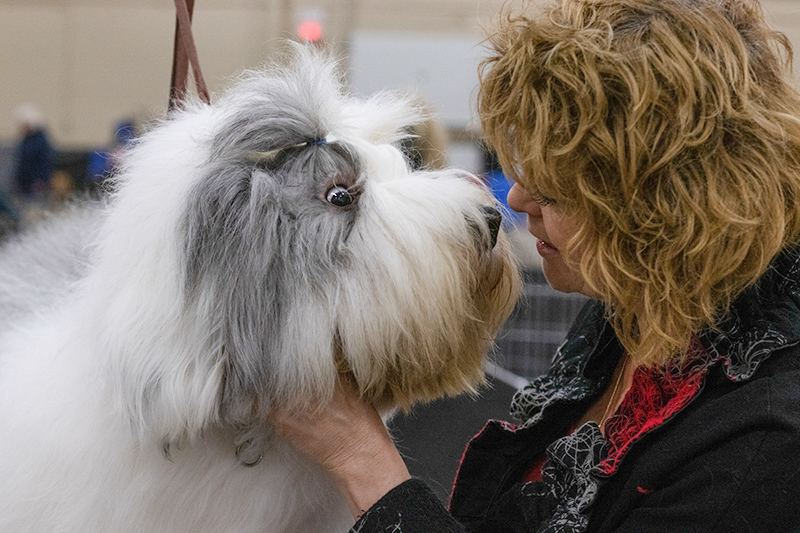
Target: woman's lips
{"points": [[545, 248]]}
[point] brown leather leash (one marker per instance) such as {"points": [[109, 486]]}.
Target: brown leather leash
{"points": [[184, 54]]}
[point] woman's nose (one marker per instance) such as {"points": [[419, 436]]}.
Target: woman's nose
{"points": [[522, 202]]}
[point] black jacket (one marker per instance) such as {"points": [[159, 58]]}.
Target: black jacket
{"points": [[723, 454]]}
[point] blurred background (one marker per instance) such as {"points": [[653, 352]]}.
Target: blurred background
{"points": [[80, 78]]}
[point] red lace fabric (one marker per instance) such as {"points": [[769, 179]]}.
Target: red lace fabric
{"points": [[655, 396]]}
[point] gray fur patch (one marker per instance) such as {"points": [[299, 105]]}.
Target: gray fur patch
{"points": [[261, 236]]}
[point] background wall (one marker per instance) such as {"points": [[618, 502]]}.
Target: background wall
{"points": [[88, 63]]}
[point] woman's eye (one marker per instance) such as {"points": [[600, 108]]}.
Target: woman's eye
{"points": [[542, 200], [339, 196]]}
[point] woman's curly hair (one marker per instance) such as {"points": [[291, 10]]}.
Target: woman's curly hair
{"points": [[669, 130]]}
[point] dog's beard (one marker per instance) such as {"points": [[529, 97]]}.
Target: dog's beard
{"points": [[437, 320]]}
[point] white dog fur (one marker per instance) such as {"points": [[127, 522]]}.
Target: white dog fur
{"points": [[249, 251]]}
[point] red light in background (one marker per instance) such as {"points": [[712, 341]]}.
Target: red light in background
{"points": [[309, 30]]}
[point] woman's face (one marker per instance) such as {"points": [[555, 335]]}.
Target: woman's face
{"points": [[552, 229]]}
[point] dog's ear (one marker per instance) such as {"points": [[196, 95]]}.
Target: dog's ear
{"points": [[252, 262], [233, 271]]}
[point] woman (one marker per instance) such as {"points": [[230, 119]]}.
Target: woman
{"points": [[655, 146]]}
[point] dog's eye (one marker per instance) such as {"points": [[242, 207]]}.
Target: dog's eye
{"points": [[339, 196]]}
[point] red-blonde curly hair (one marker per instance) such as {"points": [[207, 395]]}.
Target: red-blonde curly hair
{"points": [[669, 130]]}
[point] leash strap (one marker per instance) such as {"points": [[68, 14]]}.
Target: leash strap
{"points": [[184, 54]]}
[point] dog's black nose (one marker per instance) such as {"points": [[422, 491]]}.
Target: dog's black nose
{"points": [[493, 220]]}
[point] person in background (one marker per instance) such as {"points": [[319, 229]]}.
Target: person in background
{"points": [[35, 157], [655, 148], [102, 163]]}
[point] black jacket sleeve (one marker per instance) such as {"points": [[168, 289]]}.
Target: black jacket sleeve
{"points": [[411, 507]]}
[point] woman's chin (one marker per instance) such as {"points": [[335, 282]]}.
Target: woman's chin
{"points": [[561, 277]]}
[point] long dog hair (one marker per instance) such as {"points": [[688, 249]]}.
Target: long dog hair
{"points": [[251, 250]]}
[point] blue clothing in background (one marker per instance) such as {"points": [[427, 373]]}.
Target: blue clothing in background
{"points": [[103, 162], [500, 185], [35, 162]]}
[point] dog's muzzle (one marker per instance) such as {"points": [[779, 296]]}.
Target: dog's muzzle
{"points": [[493, 220]]}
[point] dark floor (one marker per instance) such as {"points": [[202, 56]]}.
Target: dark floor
{"points": [[432, 437]]}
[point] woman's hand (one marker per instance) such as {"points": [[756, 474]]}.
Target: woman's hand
{"points": [[349, 440]]}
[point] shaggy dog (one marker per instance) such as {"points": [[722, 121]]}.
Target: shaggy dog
{"points": [[250, 251]]}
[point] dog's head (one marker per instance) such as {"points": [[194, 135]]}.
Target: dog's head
{"points": [[294, 243]]}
